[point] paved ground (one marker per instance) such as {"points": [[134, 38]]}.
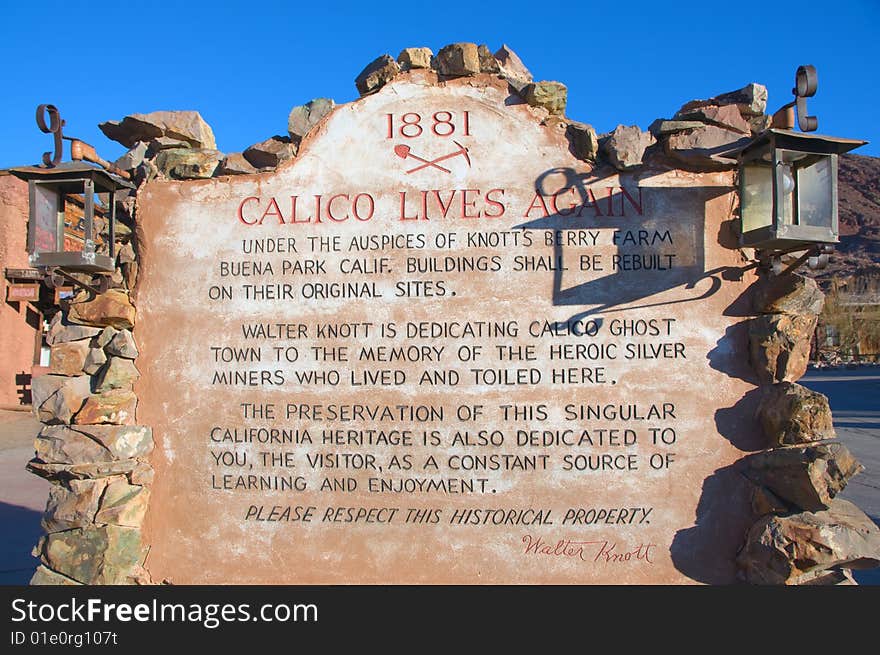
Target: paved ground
{"points": [[22, 497], [855, 404], [854, 395]]}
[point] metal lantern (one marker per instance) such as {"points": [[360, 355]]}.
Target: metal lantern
{"points": [[72, 215], [788, 190]]}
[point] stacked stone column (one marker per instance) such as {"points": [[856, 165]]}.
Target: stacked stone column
{"points": [[90, 447], [803, 534]]}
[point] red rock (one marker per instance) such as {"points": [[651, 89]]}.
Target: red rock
{"points": [[727, 116], [69, 358], [271, 152], [792, 414], [702, 147], [112, 308], [458, 59], [415, 58], [116, 407], [780, 346], [781, 549], [511, 65], [188, 126], [626, 146], [376, 75]]}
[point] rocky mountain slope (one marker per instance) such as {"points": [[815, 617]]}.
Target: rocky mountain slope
{"points": [[858, 252]]}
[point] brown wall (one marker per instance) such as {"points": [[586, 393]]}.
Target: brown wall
{"points": [[18, 320]]}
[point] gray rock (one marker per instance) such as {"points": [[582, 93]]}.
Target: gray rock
{"points": [[488, 63], [661, 127], [91, 471], [146, 172], [759, 123], [583, 140], [271, 152], [123, 504], [118, 373], [458, 59], [782, 549], [166, 143], [122, 345], [376, 75], [126, 254], [94, 361], [188, 163], [88, 444], [142, 474], [791, 414], [806, 477], [106, 336], [764, 501], [511, 65], [57, 398], [62, 331], [96, 555], [74, 503], [133, 158], [303, 118], [626, 146]]}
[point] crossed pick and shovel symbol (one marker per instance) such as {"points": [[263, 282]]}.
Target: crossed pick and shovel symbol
{"points": [[403, 151]]}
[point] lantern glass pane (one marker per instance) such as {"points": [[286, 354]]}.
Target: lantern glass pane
{"points": [[101, 228], [815, 193], [74, 222], [45, 219], [786, 186], [757, 197]]}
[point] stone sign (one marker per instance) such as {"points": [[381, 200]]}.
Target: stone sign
{"points": [[442, 334], [436, 347]]}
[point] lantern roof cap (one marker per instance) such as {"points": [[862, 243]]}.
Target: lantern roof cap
{"points": [[73, 170], [792, 140]]}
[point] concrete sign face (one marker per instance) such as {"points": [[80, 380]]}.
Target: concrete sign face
{"points": [[438, 348]]}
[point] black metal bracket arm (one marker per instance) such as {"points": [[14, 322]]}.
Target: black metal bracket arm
{"points": [[816, 257], [54, 272]]}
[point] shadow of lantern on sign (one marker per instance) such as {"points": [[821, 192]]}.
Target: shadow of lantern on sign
{"points": [[706, 551], [569, 202]]}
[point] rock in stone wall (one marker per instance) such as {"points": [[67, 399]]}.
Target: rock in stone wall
{"points": [[790, 548], [90, 448], [804, 535]]}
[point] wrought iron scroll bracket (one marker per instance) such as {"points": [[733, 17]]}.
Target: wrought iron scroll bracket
{"points": [[54, 127], [806, 82]]}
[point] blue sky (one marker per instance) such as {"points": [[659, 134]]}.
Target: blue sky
{"points": [[243, 65]]}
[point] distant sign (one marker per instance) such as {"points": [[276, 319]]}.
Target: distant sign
{"points": [[23, 274], [22, 292]]}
